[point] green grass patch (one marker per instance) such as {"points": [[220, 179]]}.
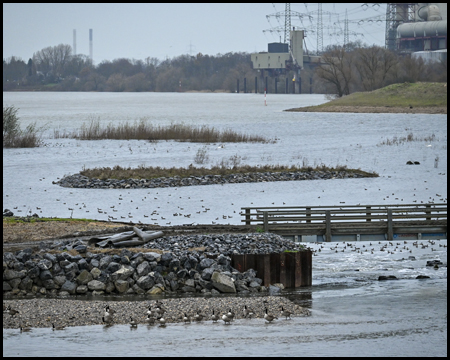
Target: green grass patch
{"points": [[420, 94], [31, 219]]}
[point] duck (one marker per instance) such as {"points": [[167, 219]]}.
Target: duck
{"points": [[269, 317], [57, 327], [186, 319], [24, 329], [133, 323], [285, 313], [150, 320], [226, 319], [11, 311], [214, 317], [248, 312]]}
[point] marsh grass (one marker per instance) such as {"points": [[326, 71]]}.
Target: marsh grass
{"points": [[408, 138], [14, 136], [144, 130], [141, 172]]}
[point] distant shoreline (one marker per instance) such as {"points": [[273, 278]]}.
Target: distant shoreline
{"points": [[373, 109]]}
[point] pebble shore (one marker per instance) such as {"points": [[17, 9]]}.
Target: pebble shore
{"points": [[41, 313], [81, 181]]}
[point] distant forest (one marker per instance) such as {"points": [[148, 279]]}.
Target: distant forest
{"points": [[357, 67]]}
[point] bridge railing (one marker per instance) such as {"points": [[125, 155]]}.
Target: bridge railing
{"points": [[290, 216]]}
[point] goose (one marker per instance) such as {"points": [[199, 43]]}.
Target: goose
{"points": [[162, 322], [226, 319], [150, 320], [248, 312], [132, 322], [24, 329], [152, 312], [109, 310], [230, 314], [186, 319], [285, 313], [198, 316], [11, 311], [57, 327], [214, 317], [107, 318], [269, 317]]}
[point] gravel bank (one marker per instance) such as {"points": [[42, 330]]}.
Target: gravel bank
{"points": [[41, 313]]}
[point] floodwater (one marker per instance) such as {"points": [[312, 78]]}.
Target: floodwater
{"points": [[353, 314]]}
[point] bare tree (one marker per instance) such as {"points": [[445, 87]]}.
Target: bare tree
{"points": [[52, 59], [373, 65], [337, 70]]}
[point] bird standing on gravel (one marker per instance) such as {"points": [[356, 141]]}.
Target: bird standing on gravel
{"points": [[186, 319], [11, 311], [285, 313], [198, 316], [248, 312]]}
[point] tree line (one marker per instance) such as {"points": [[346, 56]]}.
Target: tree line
{"points": [[357, 67]]}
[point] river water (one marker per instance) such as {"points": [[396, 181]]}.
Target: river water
{"points": [[353, 314]]}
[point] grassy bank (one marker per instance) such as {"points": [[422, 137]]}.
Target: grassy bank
{"points": [[406, 96], [117, 172]]}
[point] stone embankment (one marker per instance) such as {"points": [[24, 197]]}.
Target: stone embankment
{"points": [[176, 264], [81, 181]]}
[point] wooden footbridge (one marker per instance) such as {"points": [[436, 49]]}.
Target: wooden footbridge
{"points": [[351, 222]]}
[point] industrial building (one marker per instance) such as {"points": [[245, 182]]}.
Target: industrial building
{"points": [[420, 29]]}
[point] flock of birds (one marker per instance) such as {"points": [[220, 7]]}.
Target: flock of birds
{"points": [[9, 310], [155, 315], [360, 249]]}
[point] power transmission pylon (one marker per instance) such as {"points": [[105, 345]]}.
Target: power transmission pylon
{"points": [[287, 14], [346, 30], [319, 29]]}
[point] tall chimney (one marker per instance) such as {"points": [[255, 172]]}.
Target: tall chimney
{"points": [[90, 45], [74, 42]]}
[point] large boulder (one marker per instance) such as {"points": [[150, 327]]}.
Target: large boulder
{"points": [[222, 282], [96, 285], [121, 286], [69, 286], [84, 277]]}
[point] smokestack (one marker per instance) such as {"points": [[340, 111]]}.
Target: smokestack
{"points": [[90, 45], [74, 42]]}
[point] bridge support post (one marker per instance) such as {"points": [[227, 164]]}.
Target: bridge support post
{"points": [[390, 233], [328, 225], [266, 221]]}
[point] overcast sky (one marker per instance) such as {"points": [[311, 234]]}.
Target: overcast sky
{"points": [[138, 31]]}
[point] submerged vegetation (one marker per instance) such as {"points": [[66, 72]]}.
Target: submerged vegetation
{"points": [[142, 172], [144, 130]]}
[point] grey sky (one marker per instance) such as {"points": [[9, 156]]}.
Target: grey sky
{"points": [[168, 30]]}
